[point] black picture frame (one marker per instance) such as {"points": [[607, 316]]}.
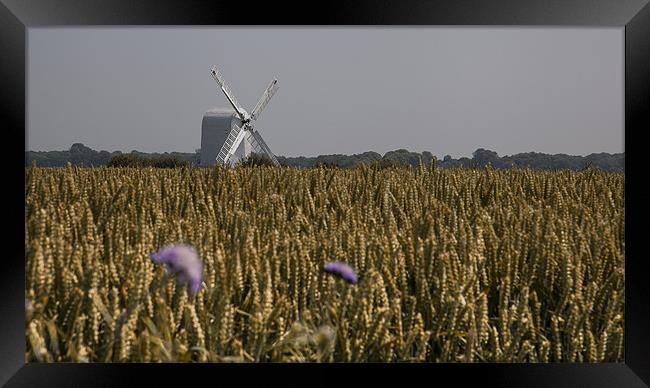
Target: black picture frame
{"points": [[16, 16]]}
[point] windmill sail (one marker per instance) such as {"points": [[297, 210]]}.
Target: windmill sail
{"points": [[229, 147], [216, 74], [260, 144], [261, 104]]}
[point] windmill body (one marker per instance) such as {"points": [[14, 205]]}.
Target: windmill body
{"points": [[228, 135], [215, 127]]}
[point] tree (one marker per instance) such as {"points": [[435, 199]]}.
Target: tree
{"points": [[79, 148], [255, 159], [483, 157]]}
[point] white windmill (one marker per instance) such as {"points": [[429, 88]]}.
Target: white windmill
{"points": [[228, 136]]}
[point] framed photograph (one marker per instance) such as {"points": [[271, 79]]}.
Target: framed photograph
{"points": [[359, 194]]}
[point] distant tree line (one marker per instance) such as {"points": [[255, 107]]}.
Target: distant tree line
{"points": [[480, 158], [131, 160], [80, 155]]}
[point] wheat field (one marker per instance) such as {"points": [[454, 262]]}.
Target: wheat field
{"points": [[458, 265]]}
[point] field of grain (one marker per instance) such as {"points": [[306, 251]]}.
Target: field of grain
{"points": [[462, 265]]}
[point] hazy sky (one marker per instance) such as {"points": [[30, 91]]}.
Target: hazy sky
{"points": [[341, 90]]}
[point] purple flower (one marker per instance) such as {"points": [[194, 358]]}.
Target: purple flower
{"points": [[183, 261], [342, 270]]}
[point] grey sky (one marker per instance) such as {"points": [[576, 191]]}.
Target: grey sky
{"points": [[342, 90]]}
